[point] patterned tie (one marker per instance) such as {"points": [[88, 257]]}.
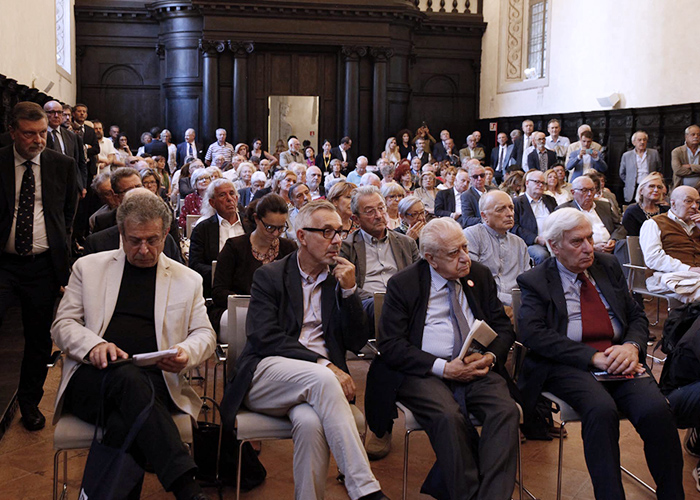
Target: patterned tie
{"points": [[459, 321], [81, 131], [56, 142], [596, 327], [543, 161], [189, 150], [24, 229]]}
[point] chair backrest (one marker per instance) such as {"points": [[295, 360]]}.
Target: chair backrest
{"points": [[378, 304], [191, 219], [637, 277], [235, 337], [515, 292], [213, 271]]}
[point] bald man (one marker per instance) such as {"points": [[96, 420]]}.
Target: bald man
{"points": [[685, 159], [671, 241]]}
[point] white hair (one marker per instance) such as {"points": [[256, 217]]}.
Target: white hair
{"points": [[562, 220], [366, 179], [431, 237]]}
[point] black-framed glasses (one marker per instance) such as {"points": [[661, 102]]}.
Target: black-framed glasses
{"points": [[539, 183], [584, 190], [416, 214], [328, 232], [478, 176], [272, 229]]}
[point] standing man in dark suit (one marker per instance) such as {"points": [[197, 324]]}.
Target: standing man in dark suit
{"points": [[188, 149], [448, 202], [428, 311], [531, 210], [578, 316], [302, 318], [540, 158], [87, 134], [342, 153], [500, 157], [522, 145], [606, 227], [64, 141], [210, 234], [156, 147], [38, 191]]}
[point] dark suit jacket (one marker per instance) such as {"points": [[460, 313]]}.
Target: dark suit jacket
{"points": [[439, 153], [507, 156], [108, 239], [533, 159], [517, 152], [335, 153], [471, 215], [245, 196], [604, 211], [274, 322], [403, 247], [525, 222], [401, 334], [74, 149], [90, 139], [157, 147], [59, 193], [182, 152], [204, 248], [445, 203], [543, 320]]}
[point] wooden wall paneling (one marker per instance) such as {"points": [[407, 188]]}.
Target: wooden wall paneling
{"points": [[674, 120]]}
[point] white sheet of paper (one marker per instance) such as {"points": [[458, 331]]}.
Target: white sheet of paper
{"points": [[151, 358]]}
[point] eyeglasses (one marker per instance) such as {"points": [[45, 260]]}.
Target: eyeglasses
{"points": [[395, 197], [585, 190], [539, 183], [54, 112], [371, 212], [274, 229], [329, 233], [478, 176]]}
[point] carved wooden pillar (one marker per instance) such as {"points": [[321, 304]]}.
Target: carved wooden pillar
{"points": [[351, 110], [379, 100], [240, 89], [210, 87]]}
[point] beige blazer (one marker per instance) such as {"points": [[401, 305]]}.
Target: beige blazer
{"points": [[180, 316]]}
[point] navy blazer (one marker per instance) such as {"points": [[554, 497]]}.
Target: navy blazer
{"points": [[182, 153], [274, 321], [471, 215], [401, 328], [336, 153], [543, 320], [445, 202], [74, 148], [59, 192], [506, 158], [525, 222], [533, 160], [576, 164]]}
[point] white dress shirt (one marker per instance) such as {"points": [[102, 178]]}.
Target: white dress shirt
{"points": [[654, 255], [40, 241], [228, 230], [539, 209], [642, 166], [458, 202], [600, 232]]}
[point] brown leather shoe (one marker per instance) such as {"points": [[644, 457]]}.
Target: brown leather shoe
{"points": [[377, 447]]}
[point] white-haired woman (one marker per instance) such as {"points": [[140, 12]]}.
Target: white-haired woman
{"points": [[393, 193], [649, 197], [427, 191]]}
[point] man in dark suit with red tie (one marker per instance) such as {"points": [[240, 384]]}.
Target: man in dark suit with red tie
{"points": [[578, 316], [38, 191]]}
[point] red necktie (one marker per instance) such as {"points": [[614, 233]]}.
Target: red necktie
{"points": [[597, 330]]}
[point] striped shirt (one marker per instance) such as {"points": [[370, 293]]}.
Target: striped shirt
{"points": [[216, 149]]}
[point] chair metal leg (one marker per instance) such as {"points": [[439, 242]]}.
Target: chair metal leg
{"points": [[56, 464], [238, 473], [638, 480], [561, 458], [520, 471], [405, 465]]}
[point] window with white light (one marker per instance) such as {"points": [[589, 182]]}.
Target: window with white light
{"points": [[63, 35]]}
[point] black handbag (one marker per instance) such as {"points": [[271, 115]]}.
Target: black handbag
{"points": [[112, 473]]}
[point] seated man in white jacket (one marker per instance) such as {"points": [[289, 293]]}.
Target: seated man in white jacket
{"points": [[129, 301]]}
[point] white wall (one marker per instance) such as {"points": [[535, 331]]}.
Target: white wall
{"points": [[28, 39], [644, 49]]}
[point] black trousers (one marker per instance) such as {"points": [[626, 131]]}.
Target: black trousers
{"points": [[127, 392], [33, 282], [472, 467], [641, 401]]}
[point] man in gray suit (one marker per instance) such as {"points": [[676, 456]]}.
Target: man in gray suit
{"points": [[377, 254], [637, 164]]}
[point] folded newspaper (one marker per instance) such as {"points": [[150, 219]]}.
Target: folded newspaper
{"points": [[479, 338]]}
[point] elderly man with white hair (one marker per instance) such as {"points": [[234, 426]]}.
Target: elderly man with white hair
{"points": [[576, 317], [257, 182], [428, 311], [540, 158], [637, 163], [492, 244], [360, 169], [293, 154], [472, 150], [370, 179], [314, 180], [220, 147]]}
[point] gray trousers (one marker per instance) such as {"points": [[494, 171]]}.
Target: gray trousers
{"points": [[322, 422]]}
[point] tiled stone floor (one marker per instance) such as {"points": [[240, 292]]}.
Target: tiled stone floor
{"points": [[26, 462]]}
